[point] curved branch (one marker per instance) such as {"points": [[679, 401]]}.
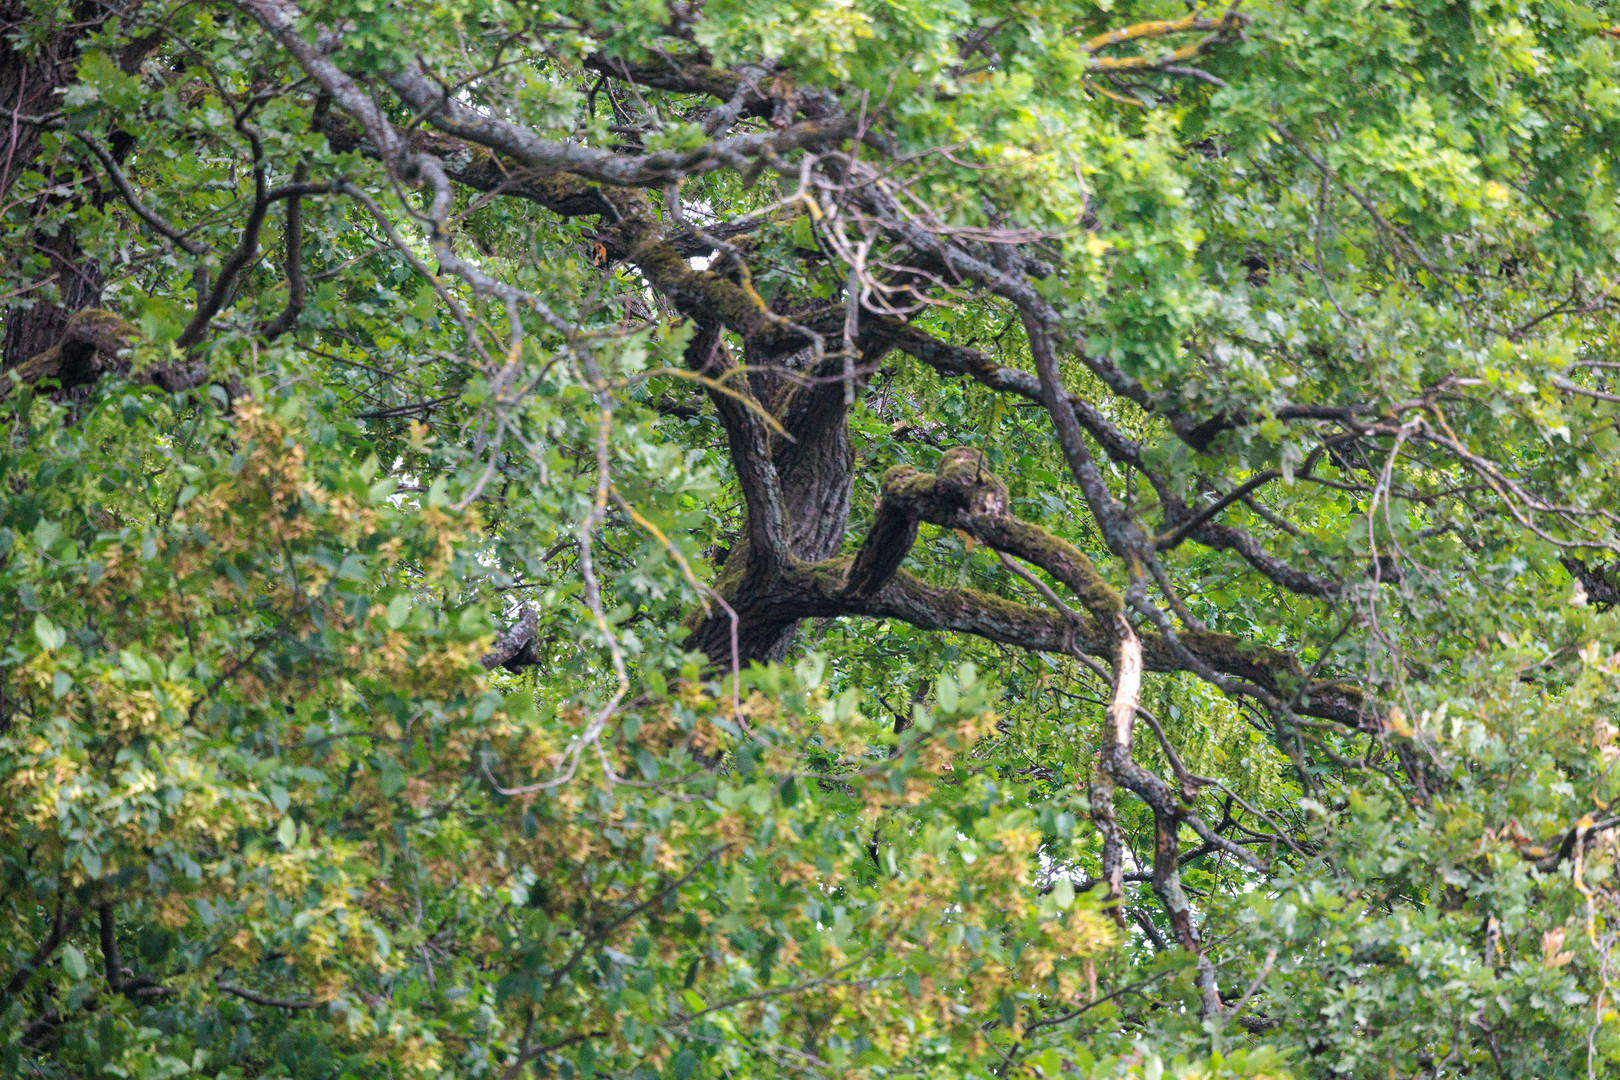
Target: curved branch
{"points": [[512, 649], [293, 238], [245, 252], [965, 495], [65, 922]]}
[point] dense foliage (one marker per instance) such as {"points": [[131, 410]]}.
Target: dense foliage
{"points": [[808, 539]]}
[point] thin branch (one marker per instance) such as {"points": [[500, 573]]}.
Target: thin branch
{"points": [[1182, 531], [261, 999]]}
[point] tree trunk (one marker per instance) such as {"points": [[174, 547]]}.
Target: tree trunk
{"points": [[815, 469], [31, 81]]}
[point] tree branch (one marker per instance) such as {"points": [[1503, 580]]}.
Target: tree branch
{"points": [[64, 923], [1183, 530], [261, 999], [293, 239]]}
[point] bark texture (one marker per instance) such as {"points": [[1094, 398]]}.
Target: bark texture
{"points": [[32, 78]]}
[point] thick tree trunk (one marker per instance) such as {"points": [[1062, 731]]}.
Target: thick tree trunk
{"points": [[29, 87], [815, 470], [31, 81]]}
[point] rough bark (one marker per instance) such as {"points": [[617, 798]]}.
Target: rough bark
{"points": [[30, 87], [31, 84], [93, 343]]}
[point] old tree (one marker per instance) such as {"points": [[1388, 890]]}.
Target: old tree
{"points": [[809, 538]]}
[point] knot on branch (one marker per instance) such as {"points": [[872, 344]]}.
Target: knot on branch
{"points": [[962, 490], [89, 346], [92, 345]]}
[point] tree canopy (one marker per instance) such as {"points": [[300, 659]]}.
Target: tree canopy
{"points": [[802, 539]]}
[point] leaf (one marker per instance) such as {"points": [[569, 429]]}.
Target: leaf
{"points": [[73, 963], [79, 95], [392, 777], [51, 636]]}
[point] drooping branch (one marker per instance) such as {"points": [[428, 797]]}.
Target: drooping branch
{"points": [[245, 252], [1120, 532], [293, 240], [67, 361], [1222, 537], [1175, 536], [187, 243]]}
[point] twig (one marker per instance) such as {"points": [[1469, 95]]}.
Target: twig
{"points": [[261, 999]]}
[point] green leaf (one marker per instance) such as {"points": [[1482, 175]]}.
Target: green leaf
{"points": [[73, 963], [392, 777], [50, 636]]}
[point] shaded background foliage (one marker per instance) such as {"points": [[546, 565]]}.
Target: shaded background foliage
{"points": [[460, 458]]}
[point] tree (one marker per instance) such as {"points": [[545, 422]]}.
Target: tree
{"points": [[809, 539]]}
